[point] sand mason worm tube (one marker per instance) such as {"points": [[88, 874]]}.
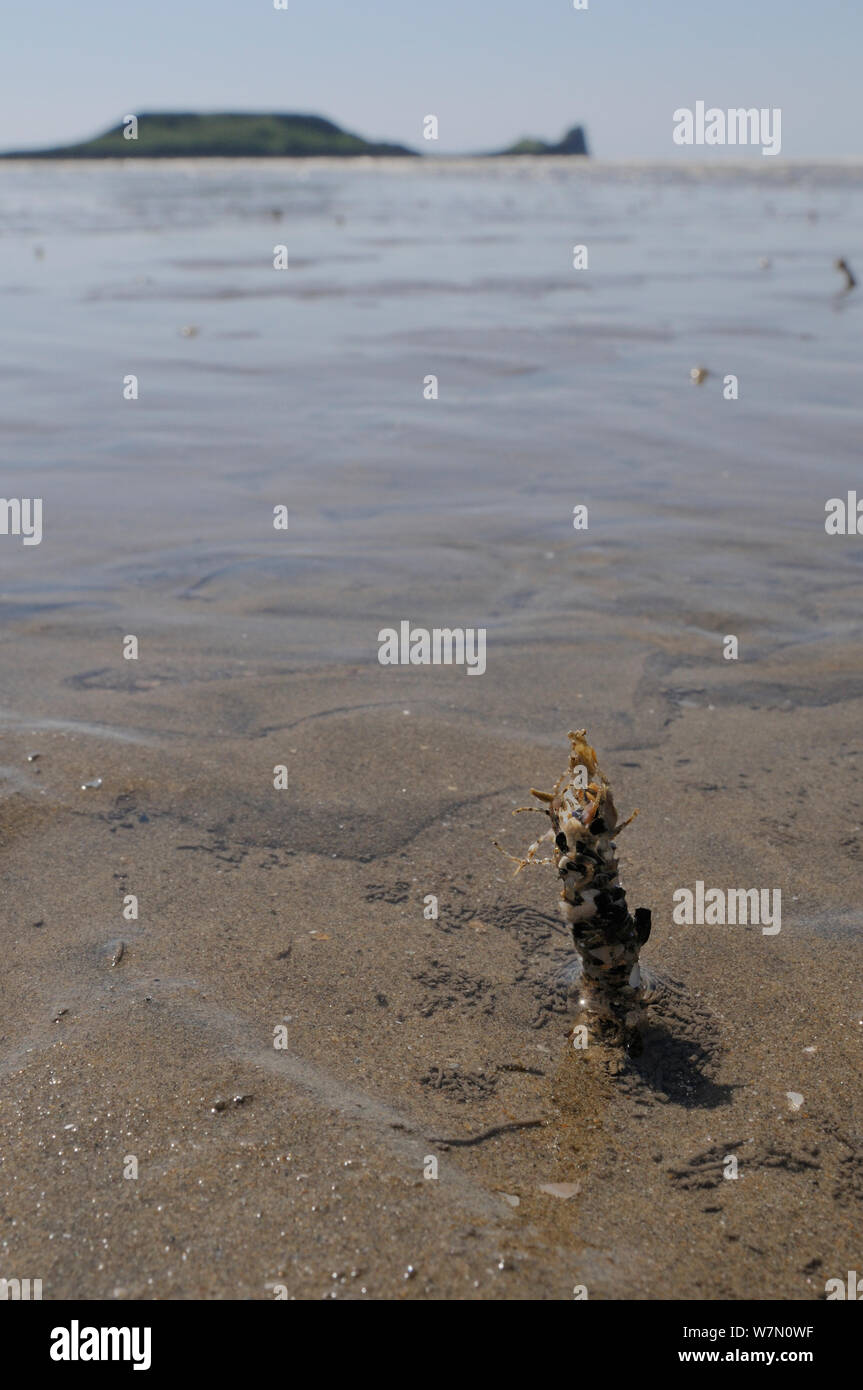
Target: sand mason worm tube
{"points": [[606, 936]]}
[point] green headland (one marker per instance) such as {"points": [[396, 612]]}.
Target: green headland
{"points": [[182, 135]]}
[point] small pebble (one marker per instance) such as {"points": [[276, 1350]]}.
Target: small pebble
{"points": [[219, 1105]]}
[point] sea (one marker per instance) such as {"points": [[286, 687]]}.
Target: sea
{"points": [[454, 357]]}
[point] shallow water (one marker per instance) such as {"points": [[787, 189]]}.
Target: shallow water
{"points": [[557, 387]]}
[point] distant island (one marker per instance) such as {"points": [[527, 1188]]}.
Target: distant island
{"points": [[573, 142], [238, 135]]}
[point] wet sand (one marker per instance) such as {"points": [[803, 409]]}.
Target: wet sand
{"points": [[306, 907], [261, 1168]]}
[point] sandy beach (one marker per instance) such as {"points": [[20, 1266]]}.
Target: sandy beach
{"points": [[304, 1170]]}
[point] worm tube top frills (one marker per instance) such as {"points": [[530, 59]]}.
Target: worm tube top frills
{"points": [[607, 937]]}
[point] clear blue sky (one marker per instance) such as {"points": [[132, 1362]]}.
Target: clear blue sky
{"points": [[490, 70]]}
